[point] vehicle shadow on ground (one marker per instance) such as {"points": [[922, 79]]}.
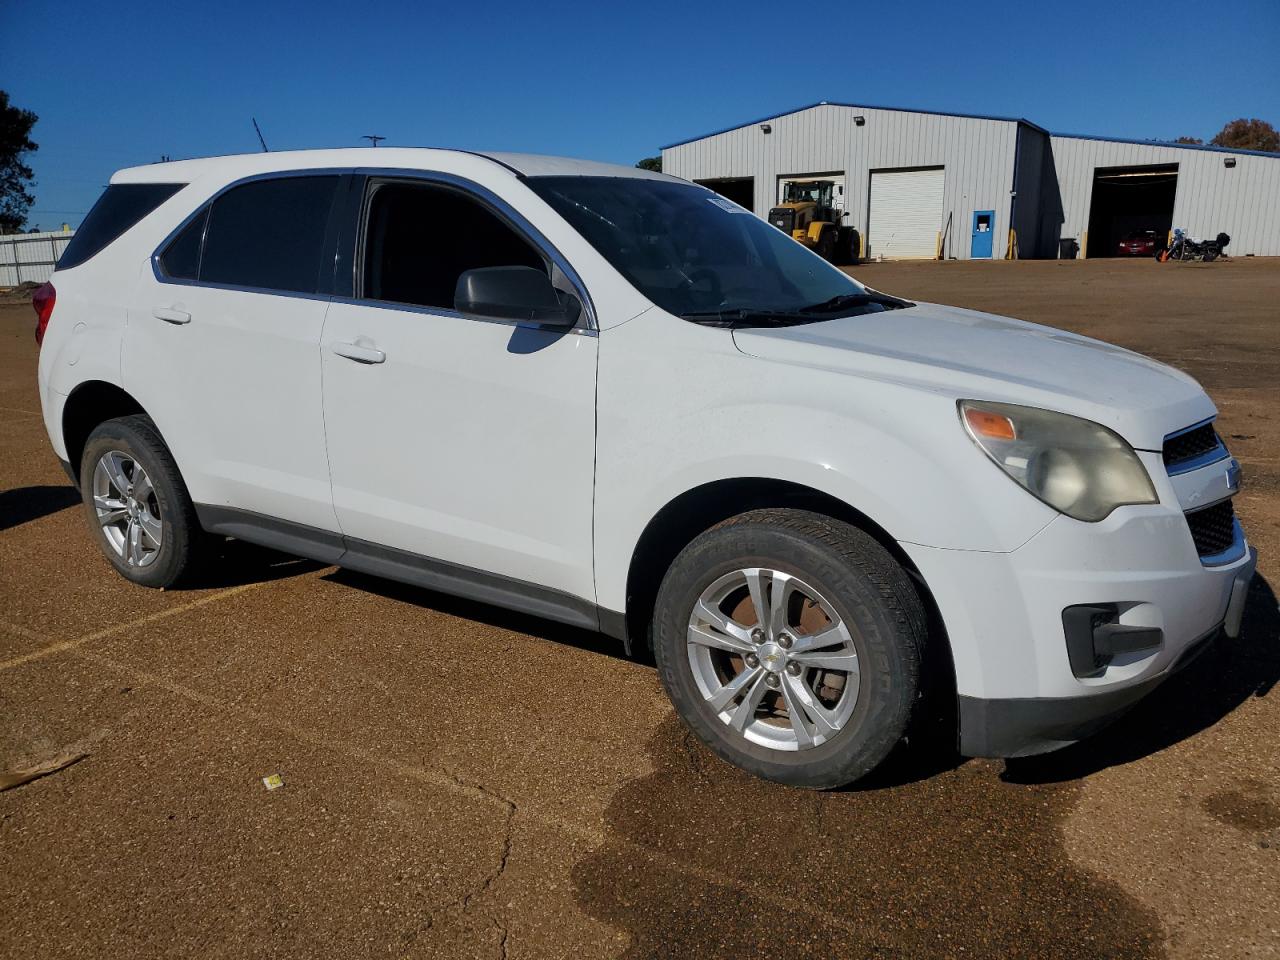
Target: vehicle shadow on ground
{"points": [[24, 504], [235, 563], [481, 612], [1206, 691]]}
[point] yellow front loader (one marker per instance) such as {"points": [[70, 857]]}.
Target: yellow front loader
{"points": [[808, 214]]}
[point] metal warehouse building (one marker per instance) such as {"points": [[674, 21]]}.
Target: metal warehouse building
{"points": [[917, 183]]}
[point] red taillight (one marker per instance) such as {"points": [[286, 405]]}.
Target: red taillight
{"points": [[42, 300]]}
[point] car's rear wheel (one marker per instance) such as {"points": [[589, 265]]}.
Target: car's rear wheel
{"points": [[791, 644], [138, 506]]}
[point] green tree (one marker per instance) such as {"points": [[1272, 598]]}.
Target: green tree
{"points": [[1188, 140], [651, 163], [15, 176], [1245, 134]]}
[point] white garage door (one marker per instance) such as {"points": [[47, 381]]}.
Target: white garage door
{"points": [[906, 213]]}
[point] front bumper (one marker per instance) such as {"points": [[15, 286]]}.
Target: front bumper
{"points": [[1018, 691], [1025, 727]]}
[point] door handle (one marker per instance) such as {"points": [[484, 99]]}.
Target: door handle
{"points": [[171, 315], [358, 352]]}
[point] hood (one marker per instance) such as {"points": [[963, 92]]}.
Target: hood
{"points": [[979, 356]]}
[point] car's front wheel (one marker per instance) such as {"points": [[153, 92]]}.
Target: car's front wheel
{"points": [[791, 644], [137, 503]]}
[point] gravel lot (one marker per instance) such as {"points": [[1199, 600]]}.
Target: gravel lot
{"points": [[463, 782]]}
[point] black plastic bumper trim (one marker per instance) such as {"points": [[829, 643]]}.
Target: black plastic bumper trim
{"points": [[1024, 727], [1095, 637], [70, 472]]}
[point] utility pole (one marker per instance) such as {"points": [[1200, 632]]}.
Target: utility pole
{"points": [[372, 139]]}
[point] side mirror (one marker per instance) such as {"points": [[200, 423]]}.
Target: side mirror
{"points": [[514, 293]]}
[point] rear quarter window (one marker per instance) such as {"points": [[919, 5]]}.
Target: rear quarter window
{"points": [[119, 208]]}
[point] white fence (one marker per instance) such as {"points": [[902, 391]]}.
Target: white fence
{"points": [[30, 256]]}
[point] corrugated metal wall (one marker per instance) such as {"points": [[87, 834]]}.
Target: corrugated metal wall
{"points": [[30, 256], [1243, 201], [978, 156]]}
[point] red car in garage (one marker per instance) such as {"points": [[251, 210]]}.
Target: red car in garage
{"points": [[1140, 243]]}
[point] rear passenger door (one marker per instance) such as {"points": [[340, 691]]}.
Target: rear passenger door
{"points": [[462, 449], [223, 348]]}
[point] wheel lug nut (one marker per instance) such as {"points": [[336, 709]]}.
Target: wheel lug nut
{"points": [[753, 660], [771, 679], [793, 668], [757, 635], [784, 640]]}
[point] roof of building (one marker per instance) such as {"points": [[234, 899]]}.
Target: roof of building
{"points": [[971, 116], [855, 106], [1213, 148]]}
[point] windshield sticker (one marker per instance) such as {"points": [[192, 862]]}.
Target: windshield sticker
{"points": [[725, 204]]}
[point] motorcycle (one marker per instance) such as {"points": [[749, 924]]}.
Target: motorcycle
{"points": [[1184, 247]]}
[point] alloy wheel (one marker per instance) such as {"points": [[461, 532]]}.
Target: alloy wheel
{"points": [[125, 503], [773, 659]]}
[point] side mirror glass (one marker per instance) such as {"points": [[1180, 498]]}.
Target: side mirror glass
{"points": [[514, 293]]}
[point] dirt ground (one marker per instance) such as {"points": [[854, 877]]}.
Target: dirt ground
{"points": [[464, 782]]}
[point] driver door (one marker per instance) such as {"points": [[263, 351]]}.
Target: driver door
{"points": [[461, 450]]}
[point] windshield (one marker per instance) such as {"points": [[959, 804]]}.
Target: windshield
{"points": [[698, 255], [802, 192]]}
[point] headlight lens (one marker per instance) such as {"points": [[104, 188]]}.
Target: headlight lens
{"points": [[1076, 466]]}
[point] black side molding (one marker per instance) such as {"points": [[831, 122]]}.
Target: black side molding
{"points": [[466, 582], [327, 547], [70, 472], [296, 538]]}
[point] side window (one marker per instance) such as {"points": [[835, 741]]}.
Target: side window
{"points": [[420, 238], [119, 208], [267, 234], [181, 259]]}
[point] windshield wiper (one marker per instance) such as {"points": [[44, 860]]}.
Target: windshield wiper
{"points": [[745, 317], [843, 300]]}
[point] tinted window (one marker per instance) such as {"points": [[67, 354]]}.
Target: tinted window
{"points": [[181, 259], [269, 234], [119, 208], [419, 239]]}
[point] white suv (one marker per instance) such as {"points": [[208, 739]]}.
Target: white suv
{"points": [[615, 399]]}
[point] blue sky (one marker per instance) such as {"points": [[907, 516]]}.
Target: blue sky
{"points": [[117, 85]]}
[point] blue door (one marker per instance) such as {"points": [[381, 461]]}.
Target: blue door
{"points": [[984, 229]]}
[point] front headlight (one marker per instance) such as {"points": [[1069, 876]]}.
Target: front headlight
{"points": [[1076, 466]]}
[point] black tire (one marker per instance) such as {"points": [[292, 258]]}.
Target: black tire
{"points": [[826, 248], [182, 542], [872, 595]]}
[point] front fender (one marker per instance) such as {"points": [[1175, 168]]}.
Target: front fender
{"points": [[680, 407]]}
